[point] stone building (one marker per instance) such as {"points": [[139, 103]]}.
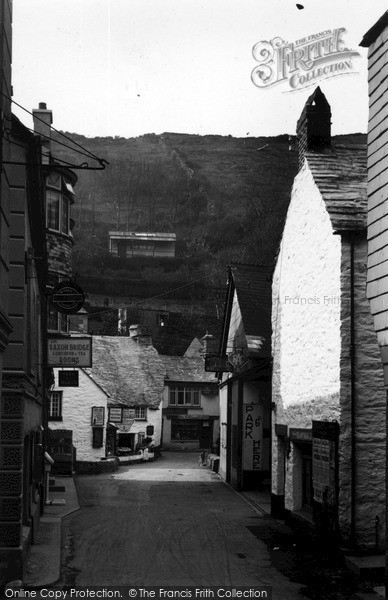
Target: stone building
{"points": [[23, 389], [59, 199], [328, 424]]}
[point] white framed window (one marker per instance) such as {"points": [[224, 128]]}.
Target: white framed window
{"points": [[184, 396], [140, 413], [55, 408]]}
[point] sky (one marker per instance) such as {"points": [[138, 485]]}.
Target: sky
{"points": [[130, 67]]}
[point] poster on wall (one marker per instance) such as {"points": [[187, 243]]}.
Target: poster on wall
{"points": [[324, 462], [98, 415], [252, 437]]}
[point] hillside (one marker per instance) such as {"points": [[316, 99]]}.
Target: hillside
{"points": [[220, 195], [225, 199]]}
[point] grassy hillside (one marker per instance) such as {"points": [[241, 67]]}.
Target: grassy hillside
{"points": [[225, 198]]}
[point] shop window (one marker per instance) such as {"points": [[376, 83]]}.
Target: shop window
{"points": [[184, 396], [55, 408], [184, 430]]}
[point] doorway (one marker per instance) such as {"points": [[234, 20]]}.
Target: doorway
{"points": [[205, 435]]}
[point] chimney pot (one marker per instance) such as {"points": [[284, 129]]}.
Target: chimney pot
{"points": [[314, 125], [42, 105]]}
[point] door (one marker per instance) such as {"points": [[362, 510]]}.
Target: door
{"points": [[205, 434], [110, 440]]}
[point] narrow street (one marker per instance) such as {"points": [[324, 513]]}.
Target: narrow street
{"points": [[171, 522], [174, 523]]}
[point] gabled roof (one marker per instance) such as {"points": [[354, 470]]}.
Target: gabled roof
{"points": [[253, 287], [131, 373], [186, 369], [195, 349], [341, 176]]}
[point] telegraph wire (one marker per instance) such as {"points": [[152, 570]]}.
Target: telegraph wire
{"points": [[126, 306], [85, 152]]}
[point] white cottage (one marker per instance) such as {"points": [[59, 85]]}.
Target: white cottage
{"points": [[116, 408], [82, 410], [132, 372], [328, 421], [190, 402]]}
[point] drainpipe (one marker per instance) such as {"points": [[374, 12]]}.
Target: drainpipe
{"points": [[352, 397]]}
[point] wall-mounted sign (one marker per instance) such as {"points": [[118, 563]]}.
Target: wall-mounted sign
{"points": [[116, 415], [68, 378], [67, 297], [325, 436], [74, 352], [98, 415], [252, 437], [129, 413]]}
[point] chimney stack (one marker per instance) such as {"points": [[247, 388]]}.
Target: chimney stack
{"points": [[314, 125], [207, 341], [43, 118]]}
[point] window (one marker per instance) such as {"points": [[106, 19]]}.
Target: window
{"points": [[184, 396], [65, 215], [184, 430], [55, 408], [53, 201], [140, 413], [58, 211]]}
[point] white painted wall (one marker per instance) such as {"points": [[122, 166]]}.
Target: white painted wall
{"points": [[77, 405], [306, 304], [223, 398], [209, 407], [154, 417], [306, 322]]}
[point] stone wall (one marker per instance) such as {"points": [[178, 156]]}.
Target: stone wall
{"points": [[370, 409], [59, 249]]}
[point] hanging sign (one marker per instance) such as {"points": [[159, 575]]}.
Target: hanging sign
{"points": [[218, 364], [238, 359], [67, 297], [74, 352]]}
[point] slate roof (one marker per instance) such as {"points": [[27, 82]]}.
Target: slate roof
{"points": [[195, 349], [341, 176], [373, 33], [132, 373], [186, 369], [253, 285]]}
